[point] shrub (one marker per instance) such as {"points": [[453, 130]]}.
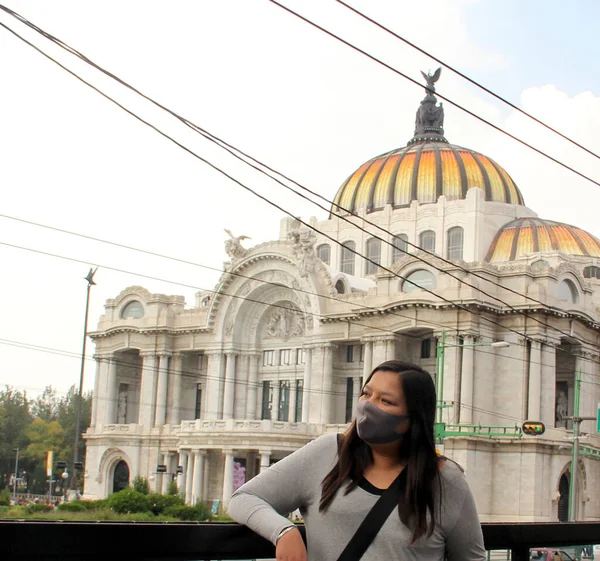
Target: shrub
{"points": [[74, 506], [39, 507], [200, 512], [172, 488], [100, 504], [5, 497], [129, 500], [140, 484], [163, 502]]}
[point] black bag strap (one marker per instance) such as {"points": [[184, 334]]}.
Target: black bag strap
{"points": [[374, 520]]}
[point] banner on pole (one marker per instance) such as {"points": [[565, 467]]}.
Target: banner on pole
{"points": [[49, 462]]}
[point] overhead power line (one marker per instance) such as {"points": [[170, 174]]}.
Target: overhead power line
{"points": [[229, 149], [454, 304], [451, 102], [467, 78]]}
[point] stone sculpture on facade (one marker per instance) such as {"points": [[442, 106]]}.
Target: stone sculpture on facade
{"points": [[233, 246], [285, 323], [304, 250], [122, 405]]}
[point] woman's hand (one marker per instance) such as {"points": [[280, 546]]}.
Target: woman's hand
{"points": [[290, 547]]}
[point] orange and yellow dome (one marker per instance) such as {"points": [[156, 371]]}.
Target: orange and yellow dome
{"points": [[423, 172], [533, 235]]}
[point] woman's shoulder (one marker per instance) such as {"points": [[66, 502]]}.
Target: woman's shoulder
{"points": [[451, 472]]}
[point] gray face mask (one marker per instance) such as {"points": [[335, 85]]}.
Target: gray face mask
{"points": [[376, 426]]}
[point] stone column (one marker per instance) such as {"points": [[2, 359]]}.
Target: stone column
{"points": [[166, 460], [535, 382], [174, 412], [275, 402], [265, 459], [368, 362], [180, 477], [292, 408], [241, 387], [99, 397], [326, 409], [111, 392], [229, 389], [451, 376], [161, 393], [466, 385], [356, 390], [390, 348], [189, 477], [549, 383], [198, 482], [252, 385], [306, 384], [228, 478], [148, 391], [214, 403], [379, 350]]}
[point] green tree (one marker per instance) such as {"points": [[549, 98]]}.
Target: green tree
{"points": [[46, 406], [140, 484], [67, 417], [15, 415], [44, 436]]}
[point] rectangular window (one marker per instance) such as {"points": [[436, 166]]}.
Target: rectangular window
{"points": [[285, 356], [198, 401], [347, 260], [267, 396], [300, 356], [284, 400], [299, 399], [201, 362], [350, 353], [426, 348], [268, 358], [349, 399], [362, 353]]}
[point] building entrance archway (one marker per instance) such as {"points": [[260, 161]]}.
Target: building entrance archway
{"points": [[120, 477]]}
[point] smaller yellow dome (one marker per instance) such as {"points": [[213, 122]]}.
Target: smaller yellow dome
{"points": [[533, 235]]}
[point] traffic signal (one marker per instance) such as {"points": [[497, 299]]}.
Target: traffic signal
{"points": [[533, 428]]}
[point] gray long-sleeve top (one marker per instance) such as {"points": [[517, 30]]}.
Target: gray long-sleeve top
{"points": [[295, 482]]}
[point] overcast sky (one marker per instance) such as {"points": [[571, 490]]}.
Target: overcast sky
{"points": [[275, 87]]}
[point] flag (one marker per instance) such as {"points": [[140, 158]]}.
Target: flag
{"points": [[49, 461]]}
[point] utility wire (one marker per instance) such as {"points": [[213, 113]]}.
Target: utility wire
{"points": [[455, 104], [454, 304], [467, 78], [232, 150], [240, 155]]}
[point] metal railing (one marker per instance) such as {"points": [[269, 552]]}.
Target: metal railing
{"points": [[140, 541]]}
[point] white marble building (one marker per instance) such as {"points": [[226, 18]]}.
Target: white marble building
{"points": [[276, 354]]}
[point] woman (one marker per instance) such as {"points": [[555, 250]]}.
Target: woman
{"points": [[335, 482]]}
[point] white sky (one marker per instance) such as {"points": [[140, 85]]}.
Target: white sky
{"points": [[269, 84]]}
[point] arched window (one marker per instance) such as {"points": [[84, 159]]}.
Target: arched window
{"points": [[324, 253], [400, 248], [133, 310], [374, 254], [427, 240], [567, 291], [340, 287], [591, 272], [455, 243], [348, 258], [418, 280]]}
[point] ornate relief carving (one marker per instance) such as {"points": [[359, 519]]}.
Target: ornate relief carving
{"points": [[303, 241], [285, 323]]}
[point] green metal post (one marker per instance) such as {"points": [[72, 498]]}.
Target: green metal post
{"points": [[439, 381], [575, 451]]}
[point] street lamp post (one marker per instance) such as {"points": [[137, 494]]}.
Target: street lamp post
{"points": [[90, 280], [439, 380], [16, 476]]}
